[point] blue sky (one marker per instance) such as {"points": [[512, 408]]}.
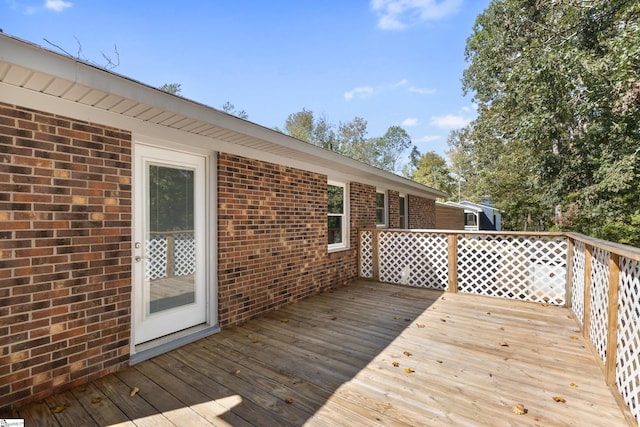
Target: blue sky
{"points": [[391, 62]]}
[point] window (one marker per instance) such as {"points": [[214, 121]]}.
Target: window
{"points": [[381, 210], [337, 221], [402, 211], [470, 219]]}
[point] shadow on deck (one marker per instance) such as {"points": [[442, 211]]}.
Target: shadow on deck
{"points": [[329, 360]]}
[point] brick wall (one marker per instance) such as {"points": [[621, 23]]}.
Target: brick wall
{"points": [[422, 212], [394, 209], [65, 257], [272, 236]]}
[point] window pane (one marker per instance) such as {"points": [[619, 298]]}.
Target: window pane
{"points": [[335, 229], [380, 209], [336, 199]]}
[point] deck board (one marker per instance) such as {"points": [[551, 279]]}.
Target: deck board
{"points": [[328, 361]]}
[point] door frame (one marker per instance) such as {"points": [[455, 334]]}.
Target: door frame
{"points": [[161, 345]]}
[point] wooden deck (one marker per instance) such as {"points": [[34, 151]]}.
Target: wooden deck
{"points": [[462, 360]]}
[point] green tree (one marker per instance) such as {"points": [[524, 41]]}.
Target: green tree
{"points": [[432, 170], [229, 108], [557, 89], [172, 88], [304, 126], [390, 147]]}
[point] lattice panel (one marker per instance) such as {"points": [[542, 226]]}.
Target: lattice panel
{"points": [[184, 254], [577, 287], [599, 301], [524, 268], [156, 252], [628, 360], [366, 255], [414, 259]]}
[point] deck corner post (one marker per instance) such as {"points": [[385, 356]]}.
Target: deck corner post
{"points": [[586, 321], [452, 266], [612, 318], [568, 294], [375, 255]]}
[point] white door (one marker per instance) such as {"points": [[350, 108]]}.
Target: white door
{"points": [[169, 251]]}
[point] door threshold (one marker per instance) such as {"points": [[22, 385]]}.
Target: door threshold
{"points": [[170, 342]]}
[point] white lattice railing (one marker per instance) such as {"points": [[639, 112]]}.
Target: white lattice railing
{"points": [[170, 254], [605, 289], [599, 281]]}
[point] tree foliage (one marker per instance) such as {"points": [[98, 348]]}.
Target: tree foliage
{"points": [[229, 108], [432, 170], [350, 139], [557, 136], [172, 88]]}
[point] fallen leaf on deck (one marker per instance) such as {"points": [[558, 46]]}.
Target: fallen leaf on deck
{"points": [[489, 313], [285, 320], [96, 400], [574, 337], [419, 325], [545, 304], [409, 370], [134, 391], [396, 318], [443, 320], [559, 399], [396, 364], [237, 372], [519, 409], [59, 409], [289, 400], [504, 344], [406, 353], [254, 340], [574, 385], [439, 361], [334, 317]]}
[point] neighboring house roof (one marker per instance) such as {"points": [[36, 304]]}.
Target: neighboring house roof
{"points": [[467, 209], [479, 206], [90, 91]]}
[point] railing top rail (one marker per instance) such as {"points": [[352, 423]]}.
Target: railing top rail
{"points": [[169, 233], [470, 232], [626, 251]]}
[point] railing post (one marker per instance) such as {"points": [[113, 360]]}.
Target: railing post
{"points": [[568, 294], [612, 327], [375, 255], [586, 322], [452, 267], [170, 262]]}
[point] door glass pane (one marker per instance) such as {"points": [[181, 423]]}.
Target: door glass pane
{"points": [[170, 239]]}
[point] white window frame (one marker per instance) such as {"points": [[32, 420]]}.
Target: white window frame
{"points": [[404, 201], [386, 209], [332, 247]]}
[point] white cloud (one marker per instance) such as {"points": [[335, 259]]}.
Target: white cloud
{"points": [[401, 14], [449, 121], [57, 5], [428, 138], [421, 91], [401, 83], [361, 92], [411, 121]]}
